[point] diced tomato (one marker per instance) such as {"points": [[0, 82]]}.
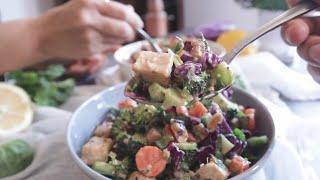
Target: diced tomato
{"points": [[150, 161], [182, 110], [238, 164], [250, 113], [127, 103], [191, 137], [198, 109], [252, 125]]}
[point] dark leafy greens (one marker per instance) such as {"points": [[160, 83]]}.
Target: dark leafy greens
{"points": [[44, 87]]}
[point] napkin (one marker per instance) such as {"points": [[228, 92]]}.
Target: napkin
{"points": [[264, 70], [47, 137]]}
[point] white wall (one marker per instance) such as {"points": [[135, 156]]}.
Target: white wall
{"points": [[197, 12], [16, 9]]}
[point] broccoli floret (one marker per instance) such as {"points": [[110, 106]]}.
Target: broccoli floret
{"points": [[231, 113], [128, 146], [126, 115], [197, 84], [189, 161], [143, 116], [144, 113], [120, 167]]}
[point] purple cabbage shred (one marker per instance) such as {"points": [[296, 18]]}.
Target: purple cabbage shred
{"points": [[195, 121], [209, 61], [204, 153], [210, 140], [227, 93], [214, 108], [183, 70], [187, 46], [185, 57], [237, 149], [176, 154]]}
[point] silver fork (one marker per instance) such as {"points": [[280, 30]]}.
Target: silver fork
{"points": [[292, 13], [147, 37]]}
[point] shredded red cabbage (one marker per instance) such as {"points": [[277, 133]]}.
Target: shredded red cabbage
{"points": [[185, 57], [187, 46], [227, 93], [204, 153], [176, 154], [209, 61], [183, 70], [210, 140], [195, 121], [214, 108], [247, 133], [237, 149]]}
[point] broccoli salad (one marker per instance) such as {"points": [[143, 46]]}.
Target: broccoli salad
{"points": [[210, 139], [187, 71]]}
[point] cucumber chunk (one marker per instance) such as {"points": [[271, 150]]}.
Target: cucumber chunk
{"points": [[156, 92], [222, 76], [225, 144], [104, 168], [173, 98], [187, 146], [257, 141]]}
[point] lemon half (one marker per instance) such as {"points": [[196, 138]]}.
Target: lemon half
{"points": [[16, 112], [230, 39]]}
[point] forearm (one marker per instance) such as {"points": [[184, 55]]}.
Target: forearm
{"points": [[19, 44]]}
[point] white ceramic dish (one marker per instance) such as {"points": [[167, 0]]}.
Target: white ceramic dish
{"points": [[91, 113]]}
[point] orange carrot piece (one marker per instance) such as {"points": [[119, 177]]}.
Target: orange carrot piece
{"points": [[127, 103], [182, 110], [150, 161], [198, 109]]}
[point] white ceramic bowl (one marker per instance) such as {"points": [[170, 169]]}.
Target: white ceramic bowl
{"points": [[91, 113], [123, 55]]}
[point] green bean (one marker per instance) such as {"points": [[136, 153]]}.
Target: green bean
{"points": [[257, 141]]}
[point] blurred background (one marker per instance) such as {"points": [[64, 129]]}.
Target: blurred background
{"points": [[182, 13]]}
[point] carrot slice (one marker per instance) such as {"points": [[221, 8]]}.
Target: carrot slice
{"points": [[198, 109], [150, 161]]}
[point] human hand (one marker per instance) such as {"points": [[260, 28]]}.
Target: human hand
{"points": [[305, 34], [83, 28]]}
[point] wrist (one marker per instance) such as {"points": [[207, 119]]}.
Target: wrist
{"points": [[38, 35]]}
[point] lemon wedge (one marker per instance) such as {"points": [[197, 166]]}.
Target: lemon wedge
{"points": [[230, 39], [16, 112]]}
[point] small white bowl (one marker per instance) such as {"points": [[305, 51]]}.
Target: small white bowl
{"points": [[123, 55]]}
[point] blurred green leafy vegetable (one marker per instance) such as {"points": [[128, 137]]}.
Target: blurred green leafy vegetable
{"points": [[15, 156], [265, 4], [44, 87]]}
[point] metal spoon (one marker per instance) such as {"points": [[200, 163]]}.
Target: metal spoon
{"points": [[152, 42], [298, 10]]}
